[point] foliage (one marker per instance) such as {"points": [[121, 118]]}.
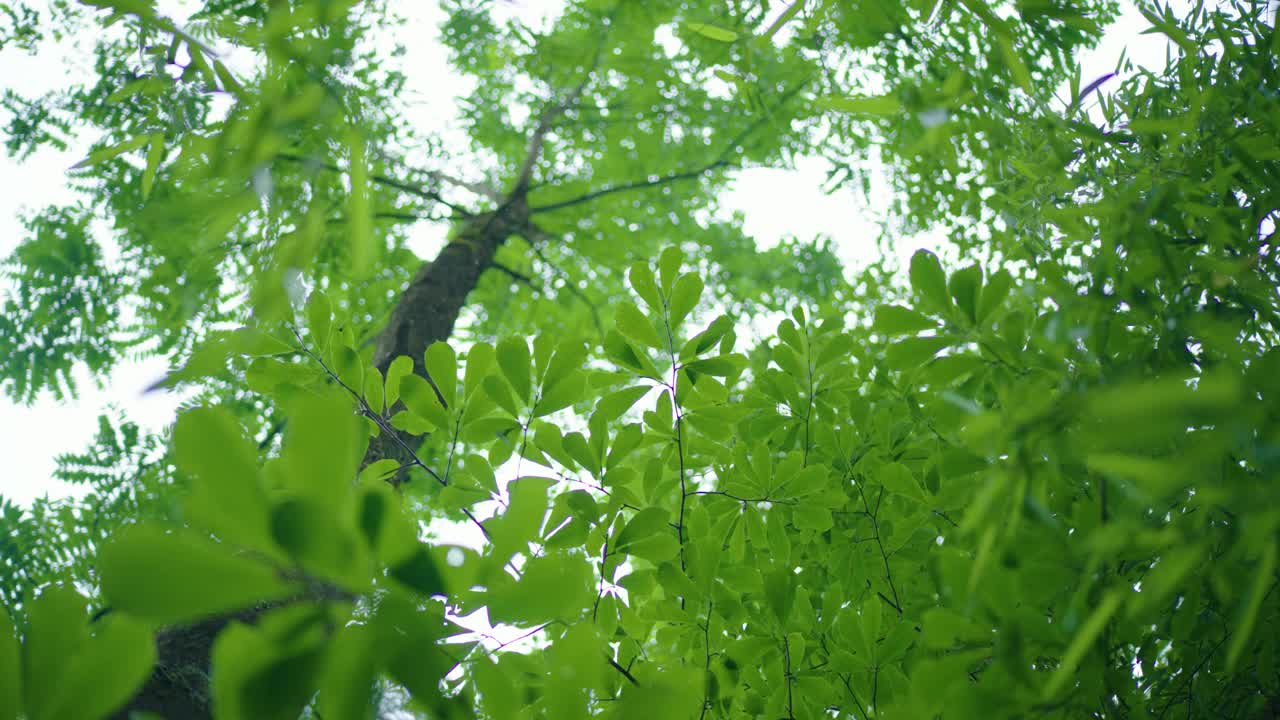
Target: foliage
{"points": [[1029, 478], [123, 474]]}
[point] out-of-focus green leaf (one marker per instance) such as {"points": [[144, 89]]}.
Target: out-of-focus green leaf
{"points": [[226, 496], [713, 32], [211, 578], [10, 668], [866, 105]]}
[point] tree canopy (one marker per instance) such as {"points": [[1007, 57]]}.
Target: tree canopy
{"points": [[599, 455]]}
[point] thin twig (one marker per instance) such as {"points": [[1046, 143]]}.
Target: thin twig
{"points": [[731, 496], [515, 274], [625, 672], [383, 180]]}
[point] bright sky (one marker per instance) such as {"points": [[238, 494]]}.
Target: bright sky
{"points": [[32, 436]]}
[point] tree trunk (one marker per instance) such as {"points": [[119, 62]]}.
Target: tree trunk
{"points": [[178, 688]]}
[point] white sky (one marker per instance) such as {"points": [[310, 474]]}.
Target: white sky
{"points": [[32, 436]]}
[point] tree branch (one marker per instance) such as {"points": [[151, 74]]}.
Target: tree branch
{"points": [[549, 115], [383, 180], [722, 160], [625, 672], [515, 274], [638, 185]]}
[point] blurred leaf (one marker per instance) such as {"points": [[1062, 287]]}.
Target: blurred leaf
{"points": [[10, 668], [226, 496], [112, 152], [929, 280], [212, 578], [713, 32], [868, 105]]}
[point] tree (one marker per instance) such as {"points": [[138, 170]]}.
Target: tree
{"points": [[1030, 480]]}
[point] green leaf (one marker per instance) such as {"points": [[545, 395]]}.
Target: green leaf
{"points": [[1017, 68], [519, 525], [655, 548], [481, 359], [929, 280], [570, 356], [229, 82], [620, 350], [712, 32], [612, 406], [780, 592], [499, 390], [347, 366], [945, 628], [226, 496], [646, 286], [871, 615], [387, 530], [211, 577], [636, 327], [403, 629], [155, 156], [150, 86], [723, 366], [347, 678], [310, 533], [777, 25], [706, 339], [684, 297], [865, 105], [909, 353], [994, 294], [419, 573], [412, 423], [442, 368], [669, 263], [10, 668], [323, 444], [517, 366], [105, 671], [965, 286], [254, 678], [373, 387], [554, 586], [646, 523], [399, 368], [898, 479], [808, 481], [1262, 579], [1170, 30], [421, 399], [1082, 642], [359, 210], [1165, 579], [667, 695], [55, 631], [1156, 478], [570, 390], [898, 320], [114, 151], [499, 696]]}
